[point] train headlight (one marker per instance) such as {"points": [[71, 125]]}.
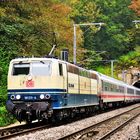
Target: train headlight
{"points": [[48, 96], [12, 97], [18, 97], [42, 96]]}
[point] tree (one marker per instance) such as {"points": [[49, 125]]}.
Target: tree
{"points": [[131, 59], [135, 5], [115, 37], [28, 28], [32, 24]]}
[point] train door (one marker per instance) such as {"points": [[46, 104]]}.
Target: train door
{"points": [[63, 74], [64, 78]]}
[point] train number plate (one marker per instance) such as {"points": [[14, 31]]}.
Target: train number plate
{"points": [[30, 98]]}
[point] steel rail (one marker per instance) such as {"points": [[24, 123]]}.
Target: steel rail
{"points": [[89, 130], [109, 134], [21, 129]]}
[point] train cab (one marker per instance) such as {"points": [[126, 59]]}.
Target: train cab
{"points": [[35, 84]]}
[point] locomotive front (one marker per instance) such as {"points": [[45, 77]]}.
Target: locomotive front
{"points": [[28, 94]]}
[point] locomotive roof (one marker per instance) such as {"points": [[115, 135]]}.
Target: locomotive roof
{"points": [[44, 59], [33, 59]]}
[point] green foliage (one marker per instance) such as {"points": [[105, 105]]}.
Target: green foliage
{"points": [[115, 36], [137, 49], [92, 59], [131, 59], [105, 70], [84, 11], [5, 118], [29, 28]]}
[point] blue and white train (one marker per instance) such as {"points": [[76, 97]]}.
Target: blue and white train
{"points": [[48, 88]]}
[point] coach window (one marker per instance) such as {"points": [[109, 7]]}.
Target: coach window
{"points": [[137, 92], [121, 89], [130, 91], [106, 89], [60, 70]]}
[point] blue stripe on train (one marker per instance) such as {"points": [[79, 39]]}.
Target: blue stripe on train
{"points": [[37, 90], [63, 100]]}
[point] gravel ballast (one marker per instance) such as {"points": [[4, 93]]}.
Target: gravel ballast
{"points": [[57, 132]]}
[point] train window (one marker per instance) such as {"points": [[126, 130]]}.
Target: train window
{"points": [[130, 91], [21, 69], [121, 89], [84, 73], [114, 88], [93, 76], [73, 69], [106, 89], [60, 70], [76, 70], [70, 69], [106, 86], [137, 92], [41, 68]]}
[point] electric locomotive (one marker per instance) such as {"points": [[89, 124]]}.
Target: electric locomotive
{"points": [[46, 87], [52, 89]]}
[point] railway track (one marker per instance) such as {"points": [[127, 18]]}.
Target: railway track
{"points": [[21, 129], [106, 128], [24, 129]]}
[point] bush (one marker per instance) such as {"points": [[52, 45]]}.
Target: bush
{"points": [[5, 117]]}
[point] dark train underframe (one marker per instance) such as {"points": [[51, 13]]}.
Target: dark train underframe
{"points": [[29, 111]]}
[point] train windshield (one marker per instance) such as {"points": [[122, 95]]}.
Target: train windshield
{"points": [[41, 68], [35, 68], [21, 69]]}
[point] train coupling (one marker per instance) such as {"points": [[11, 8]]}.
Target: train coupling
{"points": [[10, 106]]}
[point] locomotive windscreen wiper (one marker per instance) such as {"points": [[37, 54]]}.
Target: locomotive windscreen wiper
{"points": [[20, 62], [42, 62]]}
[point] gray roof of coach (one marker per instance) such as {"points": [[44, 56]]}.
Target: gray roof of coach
{"points": [[110, 79]]}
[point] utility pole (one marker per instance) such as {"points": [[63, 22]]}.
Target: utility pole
{"points": [[74, 42], [112, 67], [74, 45]]}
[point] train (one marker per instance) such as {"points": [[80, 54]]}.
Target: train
{"points": [[53, 89]]}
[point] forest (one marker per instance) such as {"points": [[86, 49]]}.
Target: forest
{"points": [[31, 27]]}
